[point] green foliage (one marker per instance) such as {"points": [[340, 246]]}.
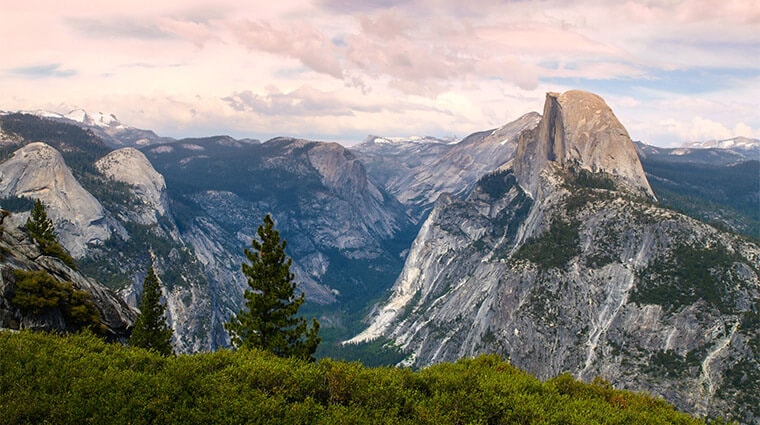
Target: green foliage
{"points": [[108, 383], [41, 229], [497, 183], [269, 320], [689, 273], [582, 177], [554, 248], [668, 364], [38, 224], [150, 330], [38, 293]]}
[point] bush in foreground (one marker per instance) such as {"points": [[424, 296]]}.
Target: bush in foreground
{"points": [[81, 379]]}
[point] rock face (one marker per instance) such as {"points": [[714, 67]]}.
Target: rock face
{"points": [[562, 265], [18, 252], [130, 166], [418, 171], [344, 232], [38, 171], [579, 128]]}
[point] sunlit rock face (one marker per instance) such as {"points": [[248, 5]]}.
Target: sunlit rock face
{"points": [[579, 128], [130, 166], [38, 171], [565, 263]]}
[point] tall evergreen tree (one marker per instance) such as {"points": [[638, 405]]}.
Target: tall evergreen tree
{"points": [[40, 226], [151, 330], [41, 229], [268, 321]]}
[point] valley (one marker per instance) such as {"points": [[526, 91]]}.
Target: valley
{"points": [[553, 241]]}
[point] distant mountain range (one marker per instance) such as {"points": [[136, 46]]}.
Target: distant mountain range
{"points": [[548, 240]]}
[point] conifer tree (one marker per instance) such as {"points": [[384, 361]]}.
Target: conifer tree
{"points": [[40, 226], [41, 229], [151, 330], [268, 321]]}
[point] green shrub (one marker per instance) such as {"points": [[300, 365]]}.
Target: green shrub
{"points": [[554, 248], [38, 293], [107, 383]]}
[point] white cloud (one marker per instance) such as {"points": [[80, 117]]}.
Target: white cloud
{"points": [[339, 68]]}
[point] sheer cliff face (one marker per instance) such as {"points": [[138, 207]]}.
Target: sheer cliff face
{"points": [[561, 269], [579, 128], [38, 171]]}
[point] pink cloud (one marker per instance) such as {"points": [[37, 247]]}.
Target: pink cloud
{"points": [[303, 101], [197, 33], [298, 40], [386, 23]]}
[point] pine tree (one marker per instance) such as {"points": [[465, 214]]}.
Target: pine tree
{"points": [[40, 226], [41, 229], [151, 330], [268, 321]]}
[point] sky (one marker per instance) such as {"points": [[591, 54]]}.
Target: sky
{"points": [[339, 70]]}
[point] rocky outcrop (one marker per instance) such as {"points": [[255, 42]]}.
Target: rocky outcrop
{"points": [[344, 232], [579, 128], [38, 171], [130, 166], [418, 171], [18, 252], [561, 265]]}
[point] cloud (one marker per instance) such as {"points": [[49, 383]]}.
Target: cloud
{"points": [[52, 70], [700, 129], [352, 6], [304, 101], [345, 67], [196, 32], [300, 41], [743, 130], [118, 27]]}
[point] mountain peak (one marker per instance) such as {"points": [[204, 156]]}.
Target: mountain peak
{"points": [[96, 120], [38, 171], [739, 142], [579, 128]]}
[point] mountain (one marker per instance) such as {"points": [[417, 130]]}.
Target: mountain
{"points": [[565, 262], [106, 126], [737, 144], [19, 253], [345, 233], [546, 241], [131, 167], [417, 172], [190, 207], [716, 185], [38, 171]]}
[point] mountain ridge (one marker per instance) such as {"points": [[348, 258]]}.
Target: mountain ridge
{"points": [[566, 266], [563, 266]]}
